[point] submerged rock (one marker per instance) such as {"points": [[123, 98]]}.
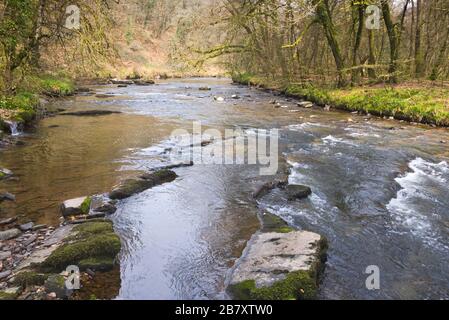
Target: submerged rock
{"points": [[204, 88], [305, 104], [133, 186], [5, 173], [295, 192], [119, 81], [273, 223], [219, 99], [279, 266], [144, 82], [75, 207], [6, 196], [90, 113]]}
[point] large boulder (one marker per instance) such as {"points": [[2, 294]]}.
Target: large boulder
{"points": [[279, 266], [147, 181], [76, 207]]}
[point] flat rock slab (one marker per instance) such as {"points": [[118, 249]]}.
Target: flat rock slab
{"points": [[273, 255], [8, 221], [50, 245], [9, 234]]}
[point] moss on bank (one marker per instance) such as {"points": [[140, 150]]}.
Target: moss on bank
{"points": [[22, 107], [423, 105]]}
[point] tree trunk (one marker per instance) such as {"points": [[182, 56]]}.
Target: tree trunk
{"points": [[322, 10], [393, 39], [358, 40], [419, 59], [372, 57]]}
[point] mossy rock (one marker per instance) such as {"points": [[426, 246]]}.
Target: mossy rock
{"points": [[85, 206], [299, 285], [273, 223], [92, 228], [30, 278], [94, 240], [280, 266], [133, 186], [10, 294]]}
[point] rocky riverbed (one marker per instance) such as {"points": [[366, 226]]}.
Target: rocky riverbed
{"points": [[36, 261]]}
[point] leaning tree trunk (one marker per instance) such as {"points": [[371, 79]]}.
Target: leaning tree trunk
{"points": [[322, 11]]}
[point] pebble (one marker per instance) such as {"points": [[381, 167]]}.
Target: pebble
{"points": [[8, 221], [26, 227], [5, 255], [5, 274], [51, 295], [40, 227], [30, 240], [7, 197]]}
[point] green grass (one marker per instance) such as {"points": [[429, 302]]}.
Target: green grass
{"points": [[423, 105], [56, 86]]}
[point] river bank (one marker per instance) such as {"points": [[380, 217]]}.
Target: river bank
{"points": [[415, 104]]}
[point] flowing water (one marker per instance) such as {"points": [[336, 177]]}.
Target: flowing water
{"points": [[380, 189]]}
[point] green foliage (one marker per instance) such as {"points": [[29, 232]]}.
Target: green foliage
{"points": [[55, 86], [21, 101]]}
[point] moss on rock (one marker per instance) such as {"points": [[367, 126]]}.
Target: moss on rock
{"points": [[133, 186], [95, 240], [296, 285], [97, 264], [29, 278], [85, 206]]}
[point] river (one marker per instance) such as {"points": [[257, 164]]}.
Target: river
{"points": [[380, 189]]}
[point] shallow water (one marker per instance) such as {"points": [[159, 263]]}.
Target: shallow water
{"points": [[380, 189]]}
